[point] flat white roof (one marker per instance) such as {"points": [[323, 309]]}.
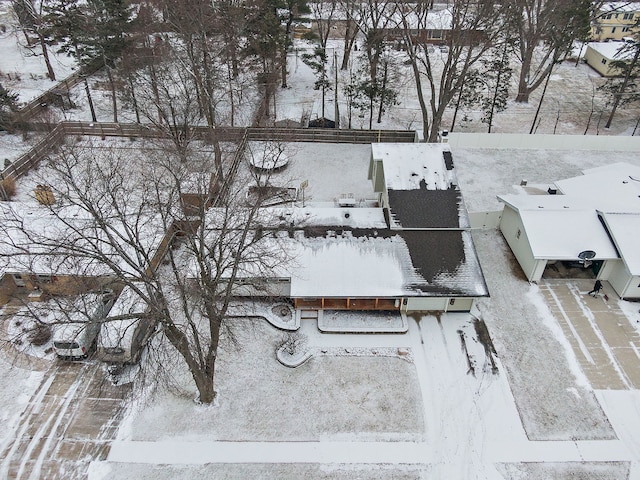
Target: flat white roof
{"points": [[563, 234], [611, 50], [625, 230], [407, 165], [613, 187]]}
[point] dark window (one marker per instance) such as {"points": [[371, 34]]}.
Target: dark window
{"points": [[604, 61]]}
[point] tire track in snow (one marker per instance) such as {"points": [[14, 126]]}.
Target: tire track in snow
{"points": [[48, 416]]}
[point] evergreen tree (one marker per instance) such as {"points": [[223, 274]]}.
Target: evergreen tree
{"points": [[8, 105]]}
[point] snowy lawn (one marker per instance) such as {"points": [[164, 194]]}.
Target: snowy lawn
{"points": [[23, 69], [261, 400]]}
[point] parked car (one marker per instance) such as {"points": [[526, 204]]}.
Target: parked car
{"points": [[76, 334], [126, 330]]}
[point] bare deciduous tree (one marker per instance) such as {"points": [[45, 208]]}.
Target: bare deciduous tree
{"points": [[474, 27], [185, 242]]}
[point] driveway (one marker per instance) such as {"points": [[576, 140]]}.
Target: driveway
{"points": [[605, 343], [69, 422]]}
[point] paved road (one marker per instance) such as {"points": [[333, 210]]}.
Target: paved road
{"points": [[70, 421]]}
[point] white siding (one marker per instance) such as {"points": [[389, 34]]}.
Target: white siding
{"points": [[633, 291], [510, 225], [459, 304], [606, 269], [420, 304], [485, 219], [619, 276]]}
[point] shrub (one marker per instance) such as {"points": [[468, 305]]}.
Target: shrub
{"points": [[9, 186], [39, 335]]}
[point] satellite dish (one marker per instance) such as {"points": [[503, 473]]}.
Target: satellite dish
{"points": [[587, 255]]}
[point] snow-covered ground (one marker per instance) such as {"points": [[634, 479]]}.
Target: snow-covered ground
{"points": [[22, 69], [379, 406], [389, 406]]}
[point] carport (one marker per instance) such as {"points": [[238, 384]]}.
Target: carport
{"points": [[548, 233]]}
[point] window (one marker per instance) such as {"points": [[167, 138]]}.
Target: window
{"points": [[518, 233], [628, 16], [604, 61], [626, 29], [607, 17], [44, 278], [435, 33], [613, 30]]}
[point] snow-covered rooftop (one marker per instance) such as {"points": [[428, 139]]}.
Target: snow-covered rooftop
{"points": [[421, 185], [386, 263], [415, 166], [620, 7], [613, 187], [559, 231], [561, 226], [625, 231], [612, 50], [36, 239]]}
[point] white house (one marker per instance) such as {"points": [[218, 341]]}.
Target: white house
{"points": [[412, 252], [597, 212]]}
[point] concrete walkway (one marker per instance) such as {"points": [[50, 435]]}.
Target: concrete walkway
{"points": [[605, 343]]}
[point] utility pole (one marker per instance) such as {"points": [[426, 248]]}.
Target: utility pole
{"points": [[335, 90]]}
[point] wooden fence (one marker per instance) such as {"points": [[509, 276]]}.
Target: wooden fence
{"points": [[41, 103], [57, 133]]}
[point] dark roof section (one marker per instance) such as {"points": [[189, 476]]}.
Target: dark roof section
{"points": [[448, 160], [427, 208], [441, 259], [438, 256]]}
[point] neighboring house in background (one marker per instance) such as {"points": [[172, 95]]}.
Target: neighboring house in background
{"points": [[31, 261], [615, 20], [600, 55], [598, 212]]}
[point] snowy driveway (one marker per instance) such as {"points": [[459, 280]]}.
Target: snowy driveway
{"points": [[68, 422], [605, 343]]}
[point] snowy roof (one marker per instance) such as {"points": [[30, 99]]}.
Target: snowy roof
{"points": [[612, 50], [34, 239], [560, 232], [620, 7], [613, 187], [386, 263], [625, 231], [332, 255], [421, 184], [561, 226], [119, 332], [309, 216]]}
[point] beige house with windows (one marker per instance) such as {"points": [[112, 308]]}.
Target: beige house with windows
{"points": [[615, 21], [601, 55]]}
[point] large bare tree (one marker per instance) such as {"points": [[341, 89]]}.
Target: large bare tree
{"points": [[471, 29], [185, 242], [545, 33]]}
